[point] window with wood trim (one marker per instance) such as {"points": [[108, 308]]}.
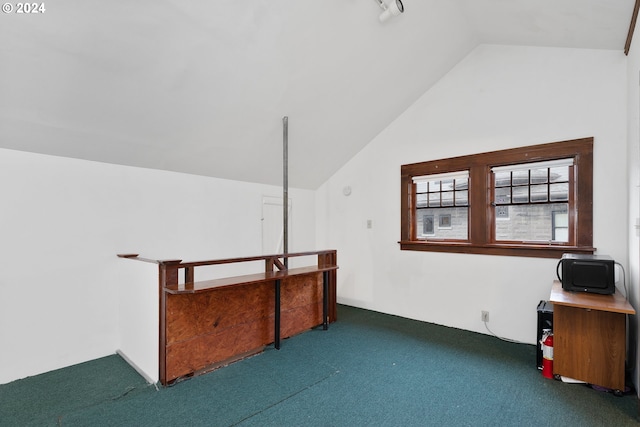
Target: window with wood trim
{"points": [[533, 195], [442, 199], [530, 201]]}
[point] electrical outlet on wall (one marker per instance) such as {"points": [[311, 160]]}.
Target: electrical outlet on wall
{"points": [[485, 316]]}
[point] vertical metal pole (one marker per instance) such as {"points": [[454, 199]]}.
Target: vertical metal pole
{"points": [[285, 223], [285, 187]]}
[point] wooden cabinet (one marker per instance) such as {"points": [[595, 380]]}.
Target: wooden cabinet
{"points": [[589, 336]]}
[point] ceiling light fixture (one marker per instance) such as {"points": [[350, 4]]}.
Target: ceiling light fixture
{"points": [[395, 8]]}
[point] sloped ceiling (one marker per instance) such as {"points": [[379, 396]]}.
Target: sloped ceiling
{"points": [[201, 87]]}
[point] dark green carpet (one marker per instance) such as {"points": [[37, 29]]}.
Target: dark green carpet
{"points": [[368, 369]]}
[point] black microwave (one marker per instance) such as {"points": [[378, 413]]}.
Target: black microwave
{"points": [[587, 273]]}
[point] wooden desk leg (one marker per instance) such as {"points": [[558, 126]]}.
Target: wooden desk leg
{"points": [[325, 300], [276, 328]]}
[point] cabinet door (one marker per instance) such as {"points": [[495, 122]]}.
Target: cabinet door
{"points": [[589, 345]]}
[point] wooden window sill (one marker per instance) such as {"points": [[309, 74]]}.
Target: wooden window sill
{"points": [[532, 250]]}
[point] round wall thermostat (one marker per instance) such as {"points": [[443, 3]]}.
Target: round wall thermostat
{"points": [[346, 190]]}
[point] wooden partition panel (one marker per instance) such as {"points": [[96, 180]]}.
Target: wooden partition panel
{"points": [[301, 304], [209, 328]]}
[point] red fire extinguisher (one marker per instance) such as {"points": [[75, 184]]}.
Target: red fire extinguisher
{"points": [[547, 353]]}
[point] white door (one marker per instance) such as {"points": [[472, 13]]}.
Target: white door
{"points": [[272, 225]]}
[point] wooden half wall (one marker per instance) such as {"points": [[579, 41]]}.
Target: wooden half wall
{"points": [[207, 324]]}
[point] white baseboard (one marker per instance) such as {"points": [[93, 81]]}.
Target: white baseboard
{"points": [[136, 367]]}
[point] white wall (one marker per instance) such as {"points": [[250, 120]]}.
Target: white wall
{"points": [[138, 320], [633, 160], [63, 221], [498, 97]]}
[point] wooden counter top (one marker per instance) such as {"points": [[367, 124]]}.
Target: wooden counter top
{"points": [[615, 303]]}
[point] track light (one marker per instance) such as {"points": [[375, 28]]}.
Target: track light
{"points": [[395, 8]]}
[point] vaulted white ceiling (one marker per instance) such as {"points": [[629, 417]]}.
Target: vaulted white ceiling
{"points": [[201, 87]]}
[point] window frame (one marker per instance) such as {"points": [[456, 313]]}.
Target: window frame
{"points": [[481, 239]]}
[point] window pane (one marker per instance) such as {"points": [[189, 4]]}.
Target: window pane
{"points": [[539, 176], [421, 200], [539, 193], [521, 194], [447, 185], [559, 192], [560, 174], [421, 187], [434, 199], [502, 179], [531, 223], [434, 185], [447, 198], [503, 196], [520, 177], [462, 183], [448, 223], [462, 198]]}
